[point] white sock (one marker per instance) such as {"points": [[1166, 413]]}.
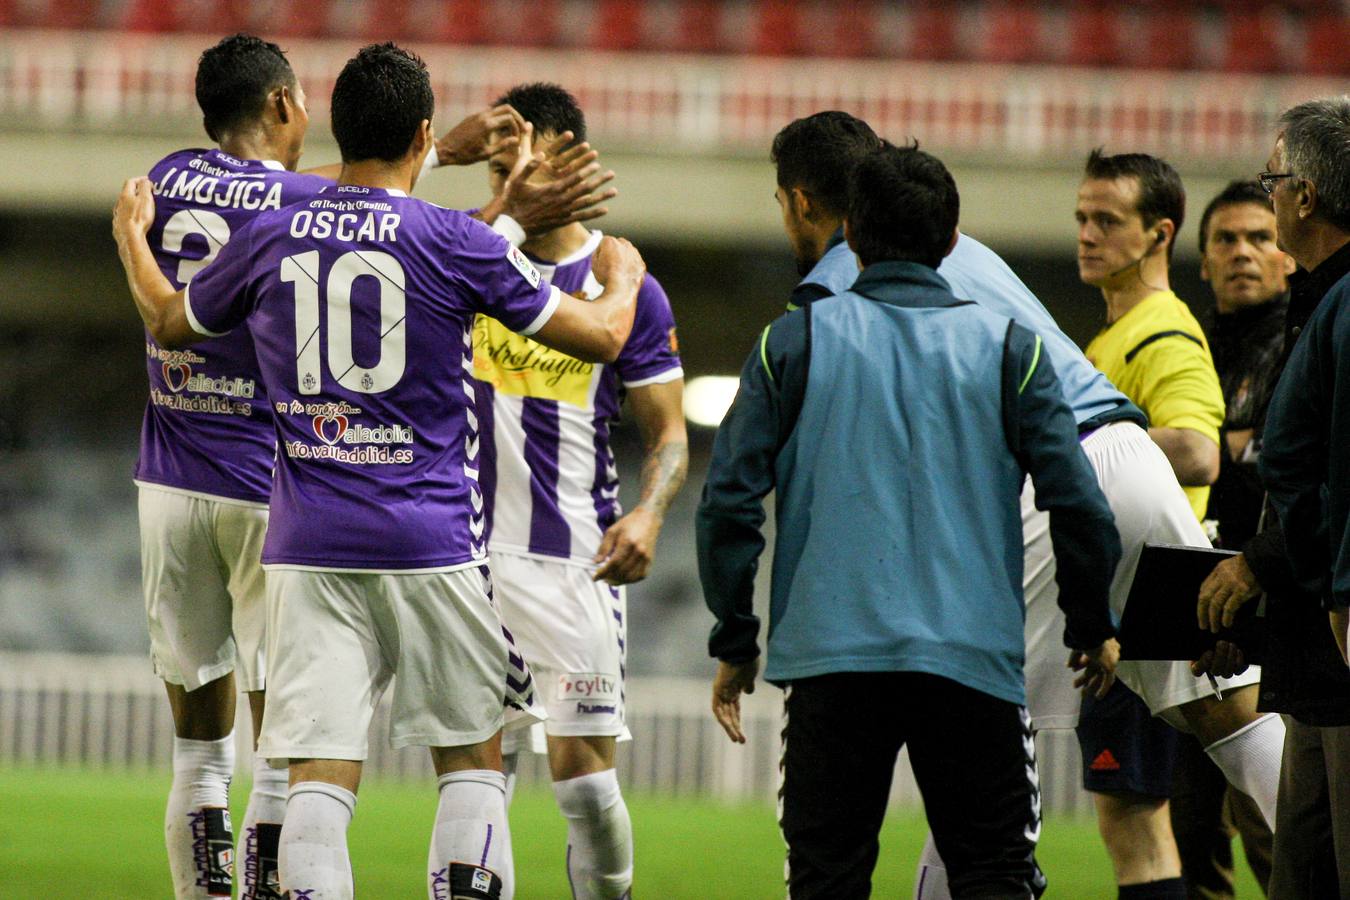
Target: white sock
{"points": [[1250, 760], [197, 818], [259, 838], [599, 836], [509, 763], [471, 843], [313, 853], [930, 883]]}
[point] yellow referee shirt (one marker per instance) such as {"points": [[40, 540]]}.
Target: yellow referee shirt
{"points": [[1157, 356]]}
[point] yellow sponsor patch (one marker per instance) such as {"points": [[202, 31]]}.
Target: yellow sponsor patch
{"points": [[516, 365]]}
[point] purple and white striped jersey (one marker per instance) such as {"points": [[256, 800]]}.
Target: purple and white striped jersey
{"points": [[207, 427], [554, 488], [361, 302]]}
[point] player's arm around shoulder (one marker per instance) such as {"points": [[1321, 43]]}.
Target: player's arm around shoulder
{"points": [[596, 330], [160, 306]]}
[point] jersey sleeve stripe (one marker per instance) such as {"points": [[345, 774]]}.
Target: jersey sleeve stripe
{"points": [[197, 326], [764, 353], [1035, 359], [659, 378], [554, 298]]}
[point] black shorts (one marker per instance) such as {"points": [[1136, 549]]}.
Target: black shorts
{"points": [[973, 758], [1126, 749]]}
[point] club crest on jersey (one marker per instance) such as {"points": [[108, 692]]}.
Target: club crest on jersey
{"points": [[330, 429], [523, 266], [176, 376]]}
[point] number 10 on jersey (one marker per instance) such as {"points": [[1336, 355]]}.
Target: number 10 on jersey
{"points": [[302, 270]]}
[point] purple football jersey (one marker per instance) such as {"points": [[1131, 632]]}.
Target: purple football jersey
{"points": [[207, 427], [361, 303]]}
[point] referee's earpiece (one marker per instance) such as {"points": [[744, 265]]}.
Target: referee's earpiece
{"points": [[1161, 236]]}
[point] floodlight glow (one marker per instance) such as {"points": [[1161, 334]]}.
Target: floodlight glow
{"points": [[708, 397]]}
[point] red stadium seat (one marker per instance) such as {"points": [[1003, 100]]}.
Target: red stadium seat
{"points": [[1095, 37], [541, 28], [300, 19], [461, 22], [852, 31], [387, 20], [1012, 32], [618, 25], [229, 17], [150, 15], [1251, 44], [932, 31], [778, 29], [1168, 40], [69, 14], [1325, 45], [699, 30]]}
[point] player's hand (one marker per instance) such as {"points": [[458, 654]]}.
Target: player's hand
{"points": [[1224, 592], [1097, 667], [135, 210], [732, 680], [1340, 628], [573, 191], [1224, 661], [627, 549], [616, 261], [480, 136]]}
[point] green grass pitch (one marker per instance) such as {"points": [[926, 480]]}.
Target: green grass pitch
{"points": [[73, 833]]}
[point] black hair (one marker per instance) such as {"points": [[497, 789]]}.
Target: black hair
{"points": [[380, 99], [817, 154], [548, 107], [902, 205], [1161, 195], [234, 78], [1235, 194]]}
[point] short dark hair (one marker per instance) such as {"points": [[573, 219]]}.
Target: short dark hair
{"points": [[548, 107], [1317, 148], [817, 154], [234, 78], [1161, 195], [380, 99], [1236, 193], [902, 205]]}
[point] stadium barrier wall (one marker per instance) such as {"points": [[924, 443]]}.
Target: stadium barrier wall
{"points": [[109, 711], [128, 82]]}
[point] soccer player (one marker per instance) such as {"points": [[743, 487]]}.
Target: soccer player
{"points": [[561, 547], [813, 157], [360, 304], [207, 445]]}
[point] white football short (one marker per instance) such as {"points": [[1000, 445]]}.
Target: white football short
{"points": [[202, 581], [339, 637], [572, 631], [1149, 507]]}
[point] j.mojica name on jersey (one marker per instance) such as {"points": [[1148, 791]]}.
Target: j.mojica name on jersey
{"points": [[237, 191]]}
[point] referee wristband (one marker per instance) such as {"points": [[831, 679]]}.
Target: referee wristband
{"points": [[510, 229], [431, 161]]}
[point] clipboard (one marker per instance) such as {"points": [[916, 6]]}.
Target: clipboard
{"points": [[1159, 619]]}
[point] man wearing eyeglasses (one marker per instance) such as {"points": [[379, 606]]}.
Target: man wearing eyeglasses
{"points": [[1306, 472]]}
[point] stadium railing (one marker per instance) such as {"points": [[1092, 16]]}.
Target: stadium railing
{"points": [[109, 711], [121, 82]]}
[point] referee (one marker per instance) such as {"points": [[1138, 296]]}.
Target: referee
{"points": [[896, 422]]}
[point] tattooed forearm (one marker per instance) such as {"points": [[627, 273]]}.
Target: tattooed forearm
{"points": [[663, 474]]}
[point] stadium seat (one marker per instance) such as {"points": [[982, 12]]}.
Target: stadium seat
{"points": [[778, 29], [1012, 32], [1325, 45], [1168, 40], [460, 22], [387, 20], [150, 15], [845, 30], [68, 14], [932, 32], [699, 30], [1094, 36], [618, 25], [1251, 44], [300, 18], [230, 16]]}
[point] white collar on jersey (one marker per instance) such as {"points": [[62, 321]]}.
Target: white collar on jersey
{"points": [[582, 252], [272, 164]]}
